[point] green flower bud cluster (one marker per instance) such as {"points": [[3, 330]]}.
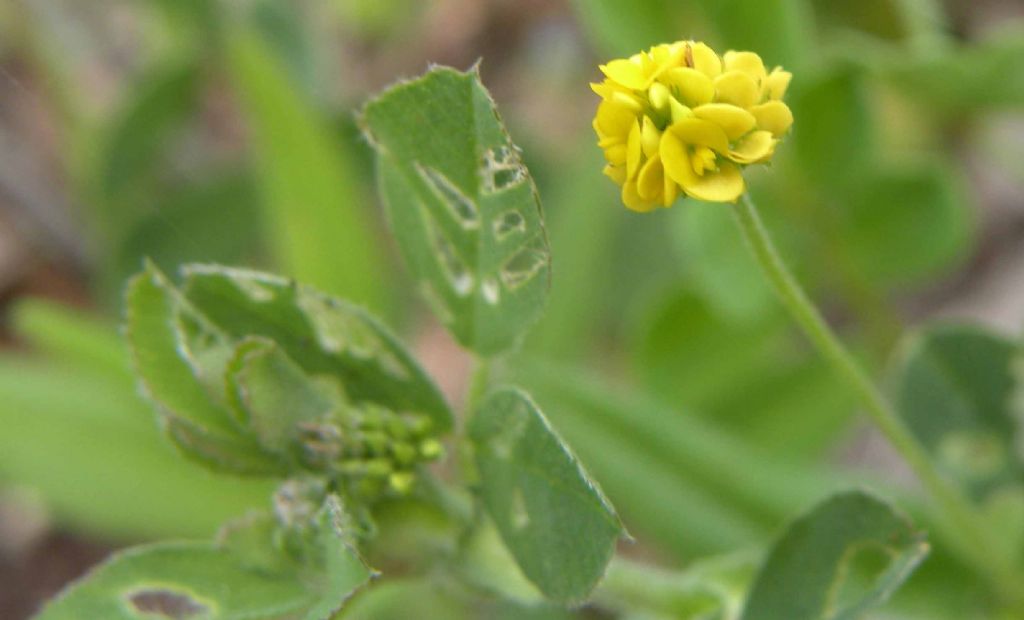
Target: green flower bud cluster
{"points": [[371, 450]]}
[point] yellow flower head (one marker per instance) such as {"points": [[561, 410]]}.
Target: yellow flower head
{"points": [[680, 120]]}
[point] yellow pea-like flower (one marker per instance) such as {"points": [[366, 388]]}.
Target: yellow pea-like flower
{"points": [[680, 120]]}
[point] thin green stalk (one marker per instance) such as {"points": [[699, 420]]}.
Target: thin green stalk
{"points": [[629, 586], [959, 512], [478, 384]]}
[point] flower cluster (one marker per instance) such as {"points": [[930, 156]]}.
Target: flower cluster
{"points": [[680, 120], [371, 449]]}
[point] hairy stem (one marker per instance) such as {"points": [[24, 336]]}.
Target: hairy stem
{"points": [[959, 514]]}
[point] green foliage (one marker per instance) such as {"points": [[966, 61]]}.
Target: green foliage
{"points": [[223, 581], [319, 224], [930, 202], [751, 376], [718, 441], [462, 206], [78, 401], [553, 517], [954, 386], [833, 102], [255, 374], [959, 80], [846, 555], [723, 493]]}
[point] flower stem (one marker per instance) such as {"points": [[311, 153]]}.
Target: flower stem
{"points": [[958, 512]]}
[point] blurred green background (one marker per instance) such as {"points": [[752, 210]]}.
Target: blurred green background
{"points": [[198, 130]]}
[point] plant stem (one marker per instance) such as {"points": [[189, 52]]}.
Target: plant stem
{"points": [[478, 384], [629, 586], [957, 510]]}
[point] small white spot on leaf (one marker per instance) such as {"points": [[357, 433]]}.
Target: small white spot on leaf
{"points": [[490, 291]]}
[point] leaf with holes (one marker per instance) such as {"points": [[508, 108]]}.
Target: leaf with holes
{"points": [[214, 581], [462, 206], [953, 385], [324, 336], [554, 519], [848, 554], [157, 319]]}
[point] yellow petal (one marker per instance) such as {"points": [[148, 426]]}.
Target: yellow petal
{"points": [[776, 83], [676, 160], [694, 87], [670, 191], [606, 88], [705, 60], [699, 132], [679, 111], [665, 58], [633, 150], [625, 72], [737, 88], [633, 201], [747, 62], [651, 180], [659, 96], [735, 121], [615, 173], [613, 120], [616, 155], [722, 185], [773, 116], [756, 147], [628, 101], [649, 137]]}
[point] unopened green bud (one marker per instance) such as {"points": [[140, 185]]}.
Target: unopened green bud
{"points": [[402, 481], [396, 428], [419, 425], [404, 453], [378, 467], [370, 487], [372, 417], [431, 449], [376, 442]]}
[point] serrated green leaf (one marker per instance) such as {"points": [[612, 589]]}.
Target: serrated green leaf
{"points": [[845, 556], [462, 206], [953, 386], [554, 519], [192, 418], [217, 581], [272, 395], [319, 223], [323, 335]]}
